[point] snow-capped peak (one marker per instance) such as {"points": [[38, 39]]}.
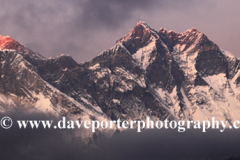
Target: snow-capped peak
{"points": [[8, 43]]}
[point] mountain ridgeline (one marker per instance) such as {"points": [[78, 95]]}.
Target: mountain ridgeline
{"points": [[161, 74]]}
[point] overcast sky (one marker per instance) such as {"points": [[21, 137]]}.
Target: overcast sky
{"points": [[84, 28]]}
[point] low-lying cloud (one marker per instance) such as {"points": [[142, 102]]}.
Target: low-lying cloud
{"points": [[46, 144]]}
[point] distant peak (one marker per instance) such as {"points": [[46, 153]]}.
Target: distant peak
{"points": [[7, 42], [141, 22]]}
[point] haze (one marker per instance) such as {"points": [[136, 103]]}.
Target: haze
{"points": [[84, 28]]}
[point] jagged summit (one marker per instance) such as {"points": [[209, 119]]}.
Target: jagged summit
{"points": [[141, 31], [141, 23], [9, 43], [163, 30], [192, 32]]}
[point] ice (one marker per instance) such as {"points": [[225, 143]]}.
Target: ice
{"points": [[116, 101], [96, 66], [43, 104], [217, 82], [143, 55]]}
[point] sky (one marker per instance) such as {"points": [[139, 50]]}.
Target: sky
{"points": [[84, 28]]}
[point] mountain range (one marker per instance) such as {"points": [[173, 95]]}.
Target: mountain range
{"points": [[147, 73]]}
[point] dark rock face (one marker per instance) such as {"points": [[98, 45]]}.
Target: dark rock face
{"points": [[147, 73], [211, 63]]}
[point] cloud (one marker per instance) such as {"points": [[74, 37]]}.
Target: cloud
{"points": [[111, 14], [70, 27], [84, 28], [47, 144], [80, 28]]}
